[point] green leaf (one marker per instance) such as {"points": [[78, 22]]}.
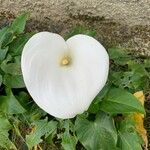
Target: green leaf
{"points": [[3, 53], [68, 141], [9, 104], [17, 45], [41, 127], [1, 79], [128, 137], [119, 56], [33, 112], [19, 23], [2, 35], [5, 126], [98, 134], [8, 38], [121, 101], [24, 99], [147, 63], [81, 30], [121, 79], [13, 81], [11, 68], [95, 106], [137, 68], [129, 141]]}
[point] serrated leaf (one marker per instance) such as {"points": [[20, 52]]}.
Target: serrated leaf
{"points": [[98, 134], [121, 101], [13, 81], [9, 104], [5, 126], [19, 23], [68, 141], [40, 128]]}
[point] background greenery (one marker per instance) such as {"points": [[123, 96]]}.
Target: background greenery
{"points": [[108, 123]]}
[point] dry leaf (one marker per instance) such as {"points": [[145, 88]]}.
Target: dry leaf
{"points": [[139, 119]]}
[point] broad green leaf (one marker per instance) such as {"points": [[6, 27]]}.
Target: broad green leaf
{"points": [[19, 23], [3, 53], [3, 32], [9, 104], [137, 68], [121, 79], [95, 106], [68, 141], [13, 81], [128, 137], [11, 68], [98, 134], [8, 38], [121, 101], [40, 128], [17, 45], [139, 82], [119, 56], [1, 79], [5, 142], [24, 99], [129, 141], [147, 63], [129, 79], [33, 112]]}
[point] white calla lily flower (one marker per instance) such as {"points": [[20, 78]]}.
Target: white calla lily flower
{"points": [[63, 77]]}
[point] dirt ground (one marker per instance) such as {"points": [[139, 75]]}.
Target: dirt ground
{"points": [[111, 34]]}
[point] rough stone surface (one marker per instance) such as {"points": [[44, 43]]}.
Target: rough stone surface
{"points": [[120, 23]]}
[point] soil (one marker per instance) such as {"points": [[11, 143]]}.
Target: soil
{"points": [[111, 34]]}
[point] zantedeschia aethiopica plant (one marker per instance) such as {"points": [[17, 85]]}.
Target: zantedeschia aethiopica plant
{"points": [[63, 77]]}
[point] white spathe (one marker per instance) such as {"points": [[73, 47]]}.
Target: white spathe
{"points": [[63, 77]]}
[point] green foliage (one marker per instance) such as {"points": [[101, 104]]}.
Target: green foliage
{"points": [[5, 126], [120, 101], [127, 136], [0, 80], [95, 129], [80, 30], [40, 128], [9, 104], [119, 56], [68, 141], [19, 23], [97, 134]]}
